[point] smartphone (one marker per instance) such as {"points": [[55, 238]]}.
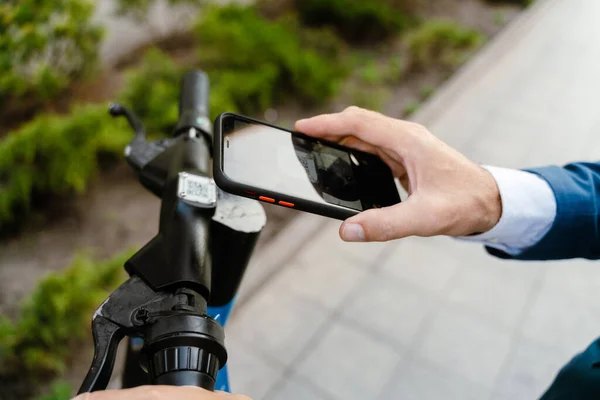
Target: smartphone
{"points": [[261, 161]]}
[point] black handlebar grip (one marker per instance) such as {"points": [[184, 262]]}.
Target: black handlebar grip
{"points": [[185, 350], [184, 366], [194, 103], [194, 94]]}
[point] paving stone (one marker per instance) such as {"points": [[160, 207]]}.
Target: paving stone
{"points": [[391, 307], [420, 380], [297, 388], [348, 364], [567, 320], [428, 263], [495, 290], [250, 372], [327, 283], [529, 372], [278, 322], [467, 345], [327, 245]]}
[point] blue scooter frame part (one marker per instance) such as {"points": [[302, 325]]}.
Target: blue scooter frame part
{"points": [[221, 315]]}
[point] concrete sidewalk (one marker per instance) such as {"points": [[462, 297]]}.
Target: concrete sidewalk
{"points": [[437, 318]]}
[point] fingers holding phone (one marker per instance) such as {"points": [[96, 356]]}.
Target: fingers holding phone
{"points": [[448, 194]]}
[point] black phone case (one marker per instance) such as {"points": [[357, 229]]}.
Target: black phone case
{"points": [[337, 212]]}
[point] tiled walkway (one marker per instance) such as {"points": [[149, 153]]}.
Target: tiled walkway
{"points": [[436, 318]]}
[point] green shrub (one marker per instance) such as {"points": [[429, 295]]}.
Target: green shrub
{"points": [[7, 338], [369, 97], [371, 74], [57, 316], [243, 91], [322, 41], [426, 92], [44, 45], [152, 91], [442, 43], [54, 155], [290, 63], [395, 70], [411, 108], [500, 17], [57, 155], [59, 391], [254, 62], [356, 20]]}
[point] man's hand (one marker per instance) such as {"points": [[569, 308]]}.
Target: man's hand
{"points": [[448, 194], [160, 393]]}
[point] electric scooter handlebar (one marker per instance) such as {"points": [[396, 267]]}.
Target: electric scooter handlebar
{"points": [[201, 243]]}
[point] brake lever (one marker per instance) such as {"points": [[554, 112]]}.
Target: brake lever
{"points": [[140, 151], [119, 110], [116, 317], [168, 322], [107, 336]]}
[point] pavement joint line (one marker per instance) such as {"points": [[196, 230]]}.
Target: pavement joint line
{"points": [[437, 305], [517, 334], [336, 316], [291, 373], [281, 263], [277, 385], [311, 344], [384, 256], [401, 367]]}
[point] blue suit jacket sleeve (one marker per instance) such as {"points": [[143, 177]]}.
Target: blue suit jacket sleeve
{"points": [[575, 231]]}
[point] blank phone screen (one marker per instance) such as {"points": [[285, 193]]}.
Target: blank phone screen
{"points": [[284, 162]]}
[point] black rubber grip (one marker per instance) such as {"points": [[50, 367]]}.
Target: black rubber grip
{"points": [[185, 349], [194, 94], [184, 366]]}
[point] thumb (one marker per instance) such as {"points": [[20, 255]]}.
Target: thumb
{"points": [[383, 224]]}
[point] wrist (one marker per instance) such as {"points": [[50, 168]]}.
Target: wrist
{"points": [[490, 203]]}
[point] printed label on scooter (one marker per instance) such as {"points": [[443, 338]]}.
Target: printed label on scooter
{"points": [[198, 191]]}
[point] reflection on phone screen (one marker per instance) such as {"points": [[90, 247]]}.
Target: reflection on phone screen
{"points": [[283, 162]]}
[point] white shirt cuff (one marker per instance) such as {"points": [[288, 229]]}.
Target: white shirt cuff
{"points": [[528, 211]]}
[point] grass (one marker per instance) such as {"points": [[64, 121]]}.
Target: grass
{"points": [[396, 70], [442, 43], [411, 108], [53, 322], [355, 20], [371, 74], [58, 391], [255, 62], [426, 92], [369, 98], [500, 17], [57, 155], [53, 155]]}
